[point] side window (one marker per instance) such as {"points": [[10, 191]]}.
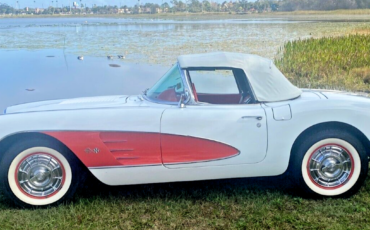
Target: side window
{"points": [[214, 82], [219, 86]]}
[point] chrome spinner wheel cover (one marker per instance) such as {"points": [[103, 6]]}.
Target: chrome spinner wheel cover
{"points": [[39, 175], [330, 166]]}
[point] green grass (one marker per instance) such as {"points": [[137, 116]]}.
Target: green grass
{"points": [[335, 62], [263, 203]]}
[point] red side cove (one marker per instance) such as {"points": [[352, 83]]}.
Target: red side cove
{"points": [[184, 149], [104, 149]]}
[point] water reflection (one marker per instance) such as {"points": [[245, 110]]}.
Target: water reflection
{"points": [[144, 23], [159, 41], [28, 76], [31, 40]]}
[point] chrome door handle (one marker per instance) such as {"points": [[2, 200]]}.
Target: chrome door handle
{"points": [[253, 117]]}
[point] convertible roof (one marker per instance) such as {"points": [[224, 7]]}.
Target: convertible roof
{"points": [[268, 83]]}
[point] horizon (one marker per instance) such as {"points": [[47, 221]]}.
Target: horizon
{"points": [[89, 3]]}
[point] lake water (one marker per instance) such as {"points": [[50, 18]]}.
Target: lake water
{"points": [[150, 47], [27, 76]]}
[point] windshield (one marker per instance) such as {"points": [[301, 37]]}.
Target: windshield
{"points": [[169, 88]]}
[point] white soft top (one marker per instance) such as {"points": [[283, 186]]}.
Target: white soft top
{"points": [[267, 82]]}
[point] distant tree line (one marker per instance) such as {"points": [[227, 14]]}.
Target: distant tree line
{"points": [[292, 5], [5, 9], [195, 6]]}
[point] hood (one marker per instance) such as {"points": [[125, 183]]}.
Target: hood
{"points": [[69, 104]]}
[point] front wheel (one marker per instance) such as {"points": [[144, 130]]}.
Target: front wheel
{"points": [[331, 163], [39, 173]]}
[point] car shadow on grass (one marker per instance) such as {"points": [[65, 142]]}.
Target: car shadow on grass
{"points": [[209, 190], [242, 189], [247, 188], [196, 190]]}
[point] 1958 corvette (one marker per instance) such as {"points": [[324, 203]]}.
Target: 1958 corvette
{"points": [[211, 116]]}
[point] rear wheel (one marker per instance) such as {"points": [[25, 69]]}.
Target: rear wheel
{"points": [[330, 163], [39, 173]]}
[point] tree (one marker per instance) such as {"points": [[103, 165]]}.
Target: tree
{"points": [[206, 5], [5, 9], [195, 6]]}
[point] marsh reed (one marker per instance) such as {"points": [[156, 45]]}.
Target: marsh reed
{"points": [[341, 63]]}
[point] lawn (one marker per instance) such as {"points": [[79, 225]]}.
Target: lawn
{"points": [[254, 203]]}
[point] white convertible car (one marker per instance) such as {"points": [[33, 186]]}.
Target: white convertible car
{"points": [[211, 116]]}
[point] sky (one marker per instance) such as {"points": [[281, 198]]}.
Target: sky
{"points": [[46, 3]]}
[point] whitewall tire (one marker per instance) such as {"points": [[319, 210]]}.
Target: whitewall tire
{"points": [[39, 173], [330, 163], [331, 167], [39, 176]]}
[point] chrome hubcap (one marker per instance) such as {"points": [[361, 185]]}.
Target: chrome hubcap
{"points": [[40, 175], [330, 166]]}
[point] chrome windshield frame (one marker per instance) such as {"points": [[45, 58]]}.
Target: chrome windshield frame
{"points": [[186, 88]]}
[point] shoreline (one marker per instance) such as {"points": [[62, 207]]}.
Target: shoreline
{"points": [[333, 16]]}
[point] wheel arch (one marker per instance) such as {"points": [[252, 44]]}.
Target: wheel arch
{"points": [[330, 125], [11, 139]]}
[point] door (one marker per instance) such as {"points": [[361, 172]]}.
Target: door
{"points": [[223, 126], [213, 135]]}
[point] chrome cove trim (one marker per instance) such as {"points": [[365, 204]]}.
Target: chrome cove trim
{"points": [[127, 158], [120, 150], [124, 166], [114, 141], [204, 161], [147, 165], [77, 109]]}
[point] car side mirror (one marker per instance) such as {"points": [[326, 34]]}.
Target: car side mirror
{"points": [[181, 101], [184, 98]]}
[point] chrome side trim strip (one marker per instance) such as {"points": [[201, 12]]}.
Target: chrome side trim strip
{"points": [[147, 165], [204, 161], [127, 158], [119, 150], [123, 166], [120, 141], [78, 109]]}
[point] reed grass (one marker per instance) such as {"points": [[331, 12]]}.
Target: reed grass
{"points": [[341, 63]]}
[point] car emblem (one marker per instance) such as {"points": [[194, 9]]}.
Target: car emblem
{"points": [[94, 150]]}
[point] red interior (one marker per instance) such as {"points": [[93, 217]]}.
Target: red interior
{"points": [[194, 92], [168, 95], [219, 98]]}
